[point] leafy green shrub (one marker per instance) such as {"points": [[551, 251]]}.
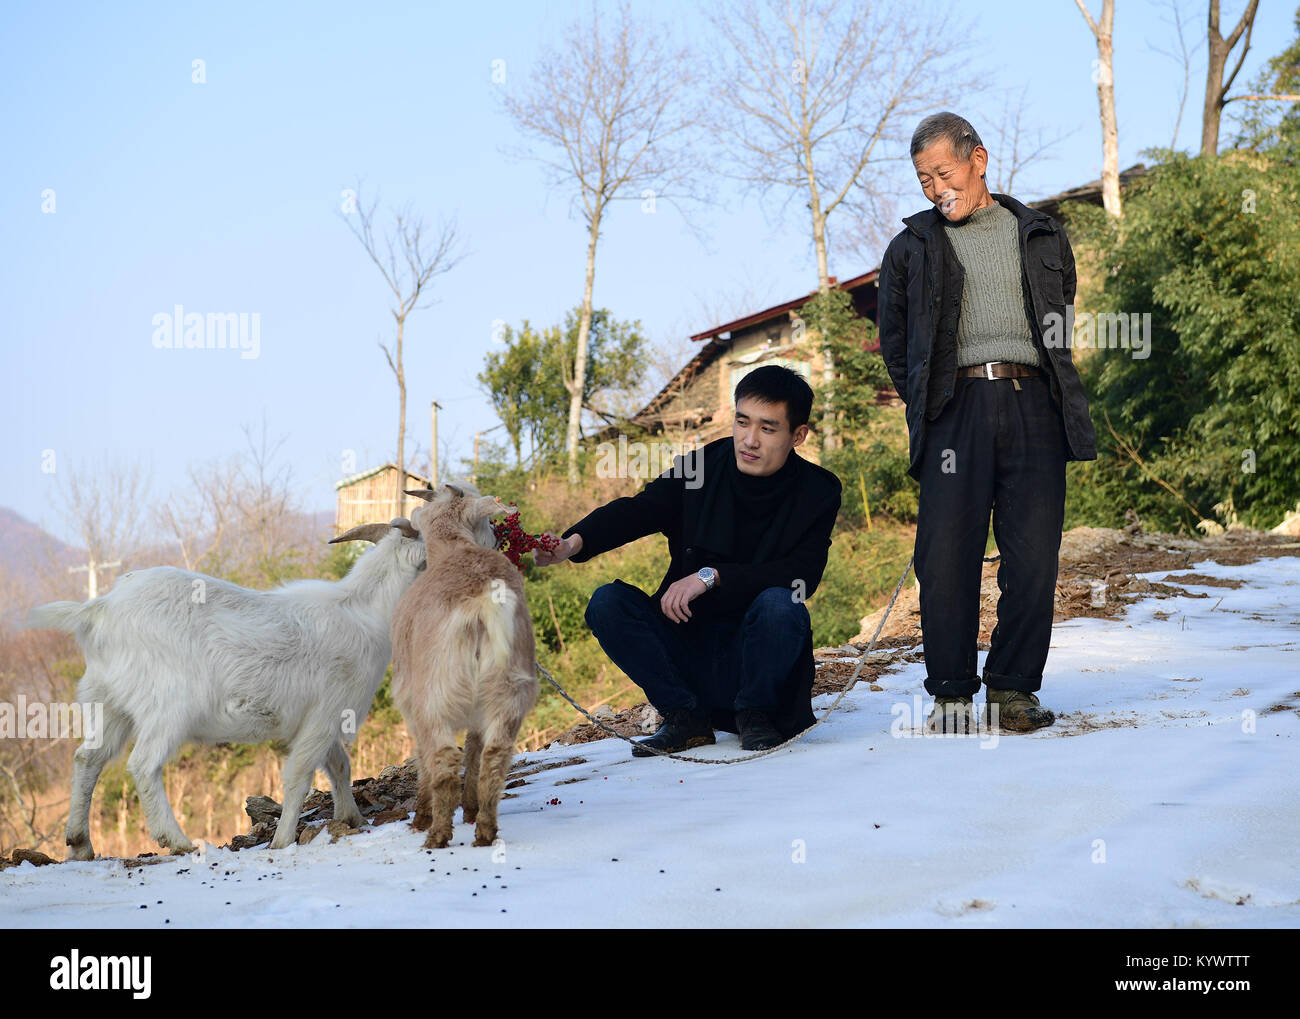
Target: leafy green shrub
{"points": [[1210, 417]]}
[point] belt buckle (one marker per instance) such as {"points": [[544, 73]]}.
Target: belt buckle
{"points": [[988, 369]]}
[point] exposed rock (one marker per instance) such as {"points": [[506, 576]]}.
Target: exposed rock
{"points": [[32, 856], [259, 834], [262, 809]]}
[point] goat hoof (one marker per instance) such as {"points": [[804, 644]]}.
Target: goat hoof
{"points": [[435, 842], [470, 816], [484, 839]]}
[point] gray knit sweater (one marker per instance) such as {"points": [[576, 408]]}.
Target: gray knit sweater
{"points": [[993, 325]]}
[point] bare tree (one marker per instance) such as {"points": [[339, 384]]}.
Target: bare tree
{"points": [[1016, 146], [1216, 86], [611, 110], [241, 519], [201, 519], [718, 300], [267, 505], [815, 93], [817, 96], [409, 260], [1103, 32], [1182, 56], [105, 508]]}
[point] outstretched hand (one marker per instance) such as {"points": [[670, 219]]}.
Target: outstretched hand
{"points": [[566, 548]]}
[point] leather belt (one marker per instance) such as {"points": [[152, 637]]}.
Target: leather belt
{"points": [[998, 370]]}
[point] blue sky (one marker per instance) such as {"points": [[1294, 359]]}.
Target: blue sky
{"points": [[223, 197]]}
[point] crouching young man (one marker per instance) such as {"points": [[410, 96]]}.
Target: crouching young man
{"points": [[726, 640]]}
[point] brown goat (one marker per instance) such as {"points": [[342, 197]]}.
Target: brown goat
{"points": [[464, 657]]}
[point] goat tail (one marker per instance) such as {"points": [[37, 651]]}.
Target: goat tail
{"points": [[67, 616], [496, 611]]}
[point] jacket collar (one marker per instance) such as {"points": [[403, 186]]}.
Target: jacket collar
{"points": [[923, 222]]}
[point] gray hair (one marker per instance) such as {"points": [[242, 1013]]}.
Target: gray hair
{"points": [[957, 131]]}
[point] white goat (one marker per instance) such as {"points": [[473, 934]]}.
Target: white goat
{"points": [[177, 657], [463, 658]]}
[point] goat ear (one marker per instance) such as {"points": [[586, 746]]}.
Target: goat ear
{"points": [[459, 492], [426, 494], [404, 525]]}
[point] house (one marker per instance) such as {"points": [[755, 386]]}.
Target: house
{"points": [[1090, 192], [367, 498], [694, 407]]}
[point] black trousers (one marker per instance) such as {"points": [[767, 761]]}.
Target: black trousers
{"points": [[716, 666], [996, 448]]}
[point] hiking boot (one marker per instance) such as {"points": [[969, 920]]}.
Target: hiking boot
{"points": [[682, 729], [951, 714], [1017, 711], [757, 731]]}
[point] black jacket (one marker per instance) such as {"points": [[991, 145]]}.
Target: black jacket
{"points": [[919, 305], [668, 506]]}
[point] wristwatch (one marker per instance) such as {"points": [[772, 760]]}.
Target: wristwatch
{"points": [[710, 577]]}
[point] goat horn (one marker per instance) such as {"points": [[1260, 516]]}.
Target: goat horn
{"points": [[426, 494], [404, 525], [460, 492], [362, 532]]}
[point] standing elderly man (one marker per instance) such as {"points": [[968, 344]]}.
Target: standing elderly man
{"points": [[993, 414]]}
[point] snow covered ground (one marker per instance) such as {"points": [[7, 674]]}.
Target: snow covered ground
{"points": [[1166, 796]]}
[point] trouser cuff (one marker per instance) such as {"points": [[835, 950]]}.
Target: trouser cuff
{"points": [[1025, 684], [952, 687]]}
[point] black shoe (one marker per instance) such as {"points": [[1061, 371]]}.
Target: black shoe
{"points": [[681, 730], [757, 731]]}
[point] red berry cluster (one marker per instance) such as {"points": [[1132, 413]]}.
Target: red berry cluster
{"points": [[514, 542]]}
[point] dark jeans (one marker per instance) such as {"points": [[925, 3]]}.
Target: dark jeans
{"points": [[714, 666], [992, 447]]}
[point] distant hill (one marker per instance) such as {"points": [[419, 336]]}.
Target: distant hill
{"points": [[27, 551]]}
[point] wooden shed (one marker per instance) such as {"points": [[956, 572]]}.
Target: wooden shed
{"points": [[367, 498]]}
